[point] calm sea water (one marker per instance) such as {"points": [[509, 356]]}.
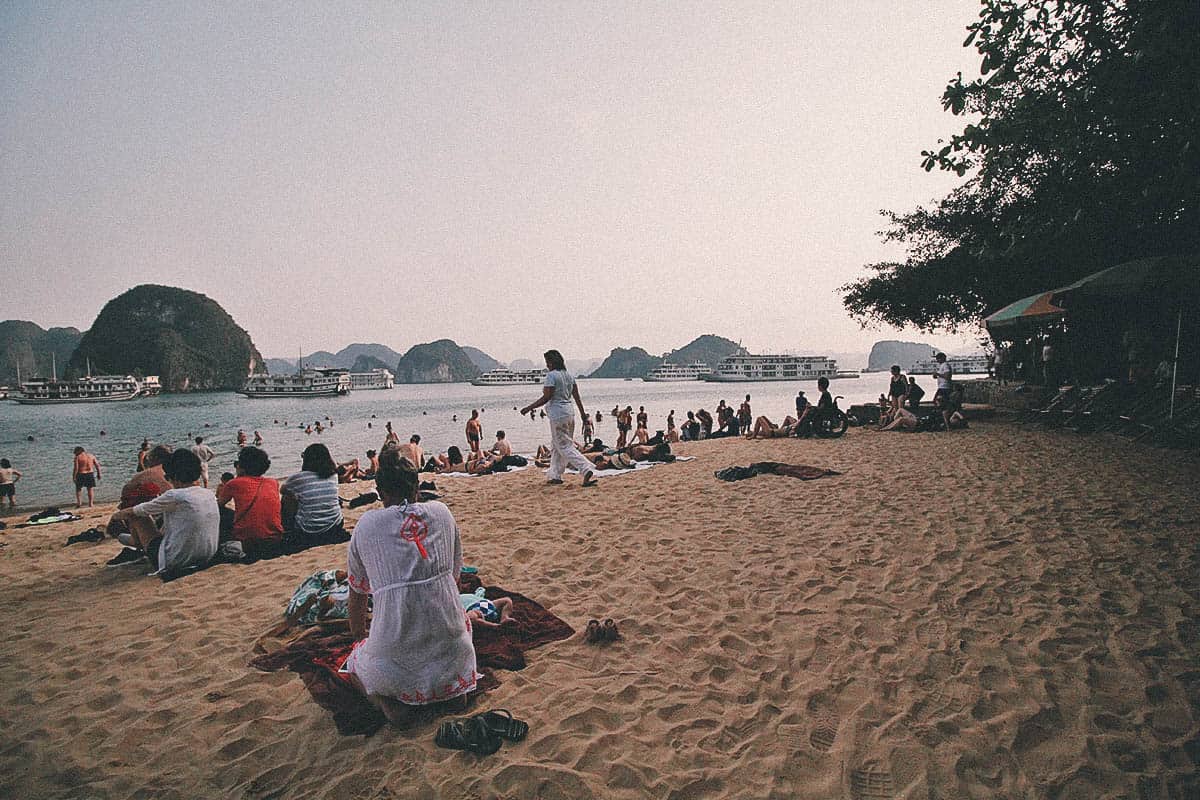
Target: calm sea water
{"points": [[358, 423]]}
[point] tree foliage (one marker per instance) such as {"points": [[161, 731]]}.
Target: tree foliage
{"points": [[1082, 154]]}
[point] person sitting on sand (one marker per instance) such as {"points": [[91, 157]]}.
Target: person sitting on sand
{"points": [[349, 471], [501, 448], [691, 428], [900, 419], [143, 486], [451, 461], [706, 423], [372, 465], [484, 612], [309, 499], [641, 435], [765, 429], [255, 521], [190, 520], [412, 451], [407, 557]]}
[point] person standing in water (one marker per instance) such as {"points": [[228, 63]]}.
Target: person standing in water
{"points": [[558, 392]]}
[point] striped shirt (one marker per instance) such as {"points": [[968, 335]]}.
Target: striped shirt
{"points": [[317, 507]]}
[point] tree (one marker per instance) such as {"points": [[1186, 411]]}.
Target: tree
{"points": [[1083, 154]]}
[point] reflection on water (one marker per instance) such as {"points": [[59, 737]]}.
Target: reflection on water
{"points": [[425, 409]]}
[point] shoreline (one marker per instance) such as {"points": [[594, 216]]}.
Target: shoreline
{"points": [[994, 611]]}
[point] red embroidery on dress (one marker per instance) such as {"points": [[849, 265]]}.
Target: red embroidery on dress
{"points": [[414, 530], [360, 585]]}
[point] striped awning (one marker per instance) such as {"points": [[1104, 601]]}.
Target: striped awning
{"points": [[1026, 312]]}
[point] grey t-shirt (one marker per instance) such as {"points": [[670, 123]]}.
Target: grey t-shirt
{"points": [[190, 529], [562, 402]]}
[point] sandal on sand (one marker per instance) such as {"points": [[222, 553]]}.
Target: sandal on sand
{"points": [[554, 482], [502, 723], [608, 630], [472, 735], [592, 634], [589, 478]]}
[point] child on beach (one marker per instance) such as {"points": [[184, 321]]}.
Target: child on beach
{"points": [[8, 483], [488, 613]]}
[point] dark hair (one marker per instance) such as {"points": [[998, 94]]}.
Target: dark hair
{"points": [[159, 455], [226, 477], [78, 450], [499, 434], [316, 458], [822, 383], [397, 476], [370, 454], [554, 359], [895, 369], [415, 439], [253, 461], [199, 439], [182, 467], [5, 463], [454, 454]]}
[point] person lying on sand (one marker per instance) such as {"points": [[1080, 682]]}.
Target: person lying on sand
{"points": [[765, 429], [900, 419], [452, 460], [488, 613], [349, 471]]}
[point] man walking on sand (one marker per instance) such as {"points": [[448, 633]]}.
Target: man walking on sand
{"points": [[85, 472], [206, 454]]}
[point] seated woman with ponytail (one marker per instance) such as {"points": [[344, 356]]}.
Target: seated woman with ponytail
{"points": [[407, 556]]}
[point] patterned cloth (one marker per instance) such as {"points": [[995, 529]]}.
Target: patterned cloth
{"points": [[319, 586]]}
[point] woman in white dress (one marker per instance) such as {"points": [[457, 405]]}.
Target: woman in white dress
{"points": [[560, 396], [407, 556]]}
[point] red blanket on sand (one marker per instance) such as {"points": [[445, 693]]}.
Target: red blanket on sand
{"points": [[317, 657]]}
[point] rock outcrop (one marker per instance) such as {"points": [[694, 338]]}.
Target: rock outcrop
{"points": [[442, 361], [27, 345], [708, 349], [481, 359], [633, 362], [183, 337], [888, 352]]}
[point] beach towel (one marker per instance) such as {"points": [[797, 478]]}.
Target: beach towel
{"points": [[801, 471], [48, 517], [635, 466], [318, 653]]}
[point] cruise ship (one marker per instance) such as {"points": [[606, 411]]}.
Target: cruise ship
{"points": [[308, 382], [750, 368], [375, 379], [502, 376], [961, 365], [89, 389], [677, 372]]}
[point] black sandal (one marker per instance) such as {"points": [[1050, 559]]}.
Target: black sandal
{"points": [[502, 723], [472, 734]]}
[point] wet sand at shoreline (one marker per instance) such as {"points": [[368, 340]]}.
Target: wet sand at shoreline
{"points": [[1001, 612]]}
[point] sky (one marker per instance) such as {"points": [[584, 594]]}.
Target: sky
{"points": [[513, 176]]}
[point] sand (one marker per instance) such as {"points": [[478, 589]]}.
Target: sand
{"points": [[1001, 612]]}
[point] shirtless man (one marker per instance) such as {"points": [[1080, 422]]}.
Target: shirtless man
{"points": [[745, 416], [765, 429], [145, 485], [474, 433], [501, 448], [413, 452], [85, 472]]}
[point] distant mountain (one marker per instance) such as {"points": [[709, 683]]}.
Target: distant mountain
{"points": [[481, 359], [888, 352], [348, 354], [322, 358], [708, 349], [279, 366], [633, 362], [442, 361], [365, 363], [583, 366], [26, 344], [522, 363], [183, 337]]}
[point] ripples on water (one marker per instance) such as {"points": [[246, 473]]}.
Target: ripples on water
{"points": [[424, 409]]}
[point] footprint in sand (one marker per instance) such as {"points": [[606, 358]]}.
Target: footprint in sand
{"points": [[872, 781], [823, 735]]}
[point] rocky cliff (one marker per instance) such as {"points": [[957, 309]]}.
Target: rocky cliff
{"points": [[442, 361], [633, 362], [888, 352], [184, 337], [26, 344], [708, 349], [366, 363]]}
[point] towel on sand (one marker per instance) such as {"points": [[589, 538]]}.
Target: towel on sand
{"points": [[801, 471], [317, 654]]}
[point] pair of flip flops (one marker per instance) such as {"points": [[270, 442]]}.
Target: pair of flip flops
{"points": [[598, 632], [481, 734]]}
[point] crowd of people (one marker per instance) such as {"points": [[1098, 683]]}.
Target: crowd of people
{"points": [[901, 409]]}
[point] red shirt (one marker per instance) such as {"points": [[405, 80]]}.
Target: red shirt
{"points": [[255, 507]]}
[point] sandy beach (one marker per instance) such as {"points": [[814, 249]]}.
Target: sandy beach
{"points": [[1001, 612]]}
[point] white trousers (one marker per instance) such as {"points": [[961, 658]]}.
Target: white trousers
{"points": [[562, 449]]}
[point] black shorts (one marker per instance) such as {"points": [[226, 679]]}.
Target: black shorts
{"points": [[85, 480], [8, 490]]}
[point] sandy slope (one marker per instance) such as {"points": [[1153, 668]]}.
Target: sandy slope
{"points": [[994, 613]]}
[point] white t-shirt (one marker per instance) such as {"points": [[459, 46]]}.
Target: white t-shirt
{"points": [[944, 374], [191, 526], [562, 403]]}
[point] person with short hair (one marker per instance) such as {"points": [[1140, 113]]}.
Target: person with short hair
{"points": [[309, 499], [745, 417], [501, 448], [190, 520], [206, 454], [143, 486], [912, 397], [255, 521], [85, 473], [8, 483], [407, 557], [474, 433]]}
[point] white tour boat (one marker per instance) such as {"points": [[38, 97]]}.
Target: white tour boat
{"points": [[677, 372], [502, 376], [308, 382], [89, 389], [961, 365], [375, 379], [752, 369]]}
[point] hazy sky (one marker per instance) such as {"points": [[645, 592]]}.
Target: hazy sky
{"points": [[512, 176]]}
